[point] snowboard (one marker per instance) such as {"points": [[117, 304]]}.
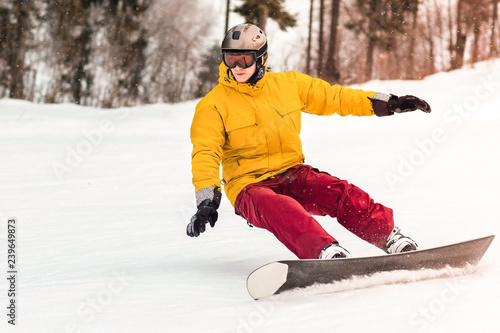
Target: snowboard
{"points": [[279, 276]]}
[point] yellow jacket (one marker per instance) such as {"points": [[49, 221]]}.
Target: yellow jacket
{"points": [[253, 130]]}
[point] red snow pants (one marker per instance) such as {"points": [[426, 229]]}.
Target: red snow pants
{"points": [[284, 204]]}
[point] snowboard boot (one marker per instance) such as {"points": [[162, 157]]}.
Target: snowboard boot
{"points": [[397, 242], [334, 251]]}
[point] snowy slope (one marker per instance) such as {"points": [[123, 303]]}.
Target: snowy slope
{"points": [[103, 198]]}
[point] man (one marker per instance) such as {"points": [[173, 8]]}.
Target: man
{"points": [[250, 123]]}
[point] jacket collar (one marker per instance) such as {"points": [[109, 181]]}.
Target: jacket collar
{"points": [[226, 79]]}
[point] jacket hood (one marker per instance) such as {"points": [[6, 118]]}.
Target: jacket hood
{"points": [[227, 79]]}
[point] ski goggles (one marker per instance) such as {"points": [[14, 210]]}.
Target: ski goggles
{"points": [[243, 60]]}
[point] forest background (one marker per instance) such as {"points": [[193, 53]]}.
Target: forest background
{"points": [[112, 53]]}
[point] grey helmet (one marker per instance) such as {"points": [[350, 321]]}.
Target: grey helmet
{"points": [[247, 38]]}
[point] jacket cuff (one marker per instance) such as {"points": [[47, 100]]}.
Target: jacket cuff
{"points": [[380, 104], [204, 194], [208, 193]]}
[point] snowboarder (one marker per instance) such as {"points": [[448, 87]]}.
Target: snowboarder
{"points": [[250, 123]]}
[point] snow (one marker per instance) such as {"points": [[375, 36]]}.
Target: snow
{"points": [[102, 199]]}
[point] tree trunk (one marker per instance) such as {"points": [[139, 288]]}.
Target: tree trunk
{"points": [[321, 46], [410, 66], [309, 39], [430, 60], [458, 51], [332, 73], [450, 31], [17, 50], [228, 8], [369, 58], [475, 43], [493, 40], [262, 16], [372, 40], [81, 80]]}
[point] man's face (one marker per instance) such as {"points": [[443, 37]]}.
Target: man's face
{"points": [[243, 74]]}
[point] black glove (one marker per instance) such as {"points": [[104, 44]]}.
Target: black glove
{"points": [[407, 103], [387, 105], [207, 211]]}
